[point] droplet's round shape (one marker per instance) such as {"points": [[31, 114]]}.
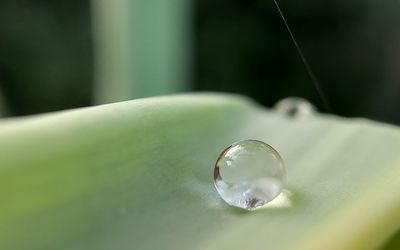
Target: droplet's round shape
{"points": [[295, 107], [248, 174]]}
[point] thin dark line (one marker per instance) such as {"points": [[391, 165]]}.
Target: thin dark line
{"points": [[305, 62]]}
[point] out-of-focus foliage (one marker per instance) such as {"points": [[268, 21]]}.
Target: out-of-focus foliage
{"points": [[353, 46], [141, 48], [45, 55], [3, 108], [238, 46]]}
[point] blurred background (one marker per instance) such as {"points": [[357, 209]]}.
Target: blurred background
{"points": [[57, 55]]}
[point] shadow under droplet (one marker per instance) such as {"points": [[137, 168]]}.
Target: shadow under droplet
{"points": [[207, 193]]}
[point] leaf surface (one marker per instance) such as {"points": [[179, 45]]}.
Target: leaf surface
{"points": [[138, 175]]}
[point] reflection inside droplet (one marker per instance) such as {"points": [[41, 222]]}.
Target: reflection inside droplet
{"points": [[249, 174]]}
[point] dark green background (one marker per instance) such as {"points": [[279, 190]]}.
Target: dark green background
{"points": [[46, 53]]}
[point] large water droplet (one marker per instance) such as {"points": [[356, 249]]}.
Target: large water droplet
{"points": [[295, 107], [248, 174]]}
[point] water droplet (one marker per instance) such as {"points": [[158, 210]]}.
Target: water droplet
{"points": [[249, 174], [295, 107]]}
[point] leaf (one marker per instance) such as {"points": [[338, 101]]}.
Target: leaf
{"points": [[393, 243], [138, 175], [141, 48]]}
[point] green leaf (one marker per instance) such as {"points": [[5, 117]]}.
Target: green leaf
{"points": [[138, 175], [141, 48], [393, 243]]}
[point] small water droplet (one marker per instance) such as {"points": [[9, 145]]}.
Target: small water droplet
{"points": [[295, 107], [249, 174]]}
